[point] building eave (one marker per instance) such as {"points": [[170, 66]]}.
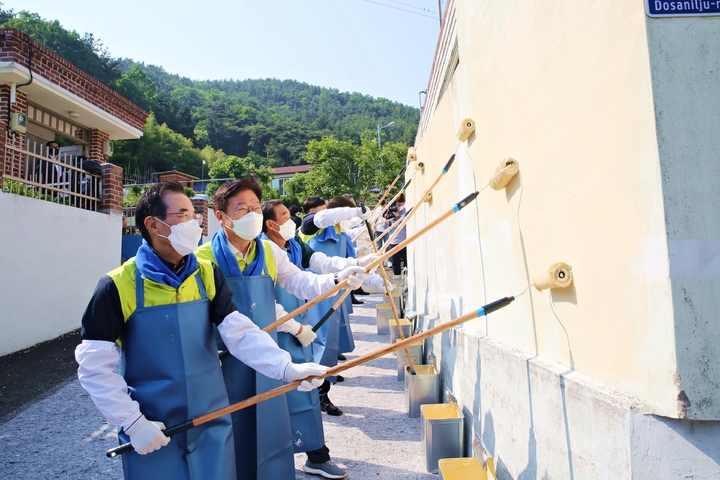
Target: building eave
{"points": [[46, 94]]}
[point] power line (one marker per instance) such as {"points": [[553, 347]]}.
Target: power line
{"points": [[401, 9], [413, 6]]}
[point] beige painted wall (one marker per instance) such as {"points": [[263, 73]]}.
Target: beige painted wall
{"points": [[565, 88]]}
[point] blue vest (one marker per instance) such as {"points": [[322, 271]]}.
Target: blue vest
{"points": [[170, 364]]}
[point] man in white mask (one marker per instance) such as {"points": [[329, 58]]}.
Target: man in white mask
{"points": [[160, 307], [253, 267]]}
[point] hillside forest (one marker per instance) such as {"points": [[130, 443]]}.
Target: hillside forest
{"points": [[229, 128]]}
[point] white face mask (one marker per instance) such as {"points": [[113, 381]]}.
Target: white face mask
{"points": [[184, 237], [345, 225], [287, 230], [249, 226]]}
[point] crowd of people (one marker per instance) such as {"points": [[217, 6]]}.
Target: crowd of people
{"points": [[156, 326]]}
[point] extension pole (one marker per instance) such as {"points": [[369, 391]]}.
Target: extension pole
{"points": [[197, 421], [379, 215], [392, 184], [396, 229], [456, 208]]}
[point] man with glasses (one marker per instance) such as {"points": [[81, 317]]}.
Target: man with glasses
{"points": [[159, 307]]}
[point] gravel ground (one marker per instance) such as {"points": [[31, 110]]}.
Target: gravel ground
{"points": [[60, 435]]}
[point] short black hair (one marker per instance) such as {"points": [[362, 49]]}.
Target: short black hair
{"points": [[401, 198], [294, 209], [337, 202], [312, 202], [151, 204], [268, 209], [229, 190], [52, 141]]}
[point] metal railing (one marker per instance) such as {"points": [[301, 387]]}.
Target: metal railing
{"points": [[59, 179]]}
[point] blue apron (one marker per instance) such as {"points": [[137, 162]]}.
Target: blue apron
{"points": [[263, 440], [305, 414], [337, 247], [170, 364]]}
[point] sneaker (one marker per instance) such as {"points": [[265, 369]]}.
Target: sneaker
{"points": [[340, 378], [355, 301], [327, 469], [360, 291], [341, 356], [330, 409]]}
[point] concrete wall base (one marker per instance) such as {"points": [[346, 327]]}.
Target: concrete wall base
{"points": [[541, 419]]}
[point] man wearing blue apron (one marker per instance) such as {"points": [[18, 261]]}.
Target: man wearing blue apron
{"points": [[159, 308], [321, 230], [304, 407], [252, 267]]}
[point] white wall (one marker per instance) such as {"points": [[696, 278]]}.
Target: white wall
{"points": [[52, 257]]}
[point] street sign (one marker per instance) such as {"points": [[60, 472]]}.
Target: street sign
{"points": [[678, 8]]}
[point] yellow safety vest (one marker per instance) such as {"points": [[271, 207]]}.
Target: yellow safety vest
{"points": [[158, 293]]}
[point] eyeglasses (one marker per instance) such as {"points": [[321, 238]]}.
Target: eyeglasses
{"points": [[245, 210], [187, 216]]}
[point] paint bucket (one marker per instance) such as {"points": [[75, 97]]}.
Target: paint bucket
{"points": [[415, 350], [462, 469], [384, 314], [421, 388], [442, 433], [405, 324]]}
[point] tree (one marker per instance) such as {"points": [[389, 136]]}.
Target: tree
{"points": [[159, 149], [223, 167], [341, 166]]}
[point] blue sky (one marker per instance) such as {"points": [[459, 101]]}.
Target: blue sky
{"points": [[351, 45]]}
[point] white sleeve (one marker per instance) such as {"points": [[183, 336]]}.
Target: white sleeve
{"points": [[292, 326], [329, 217], [319, 262], [354, 232], [304, 285], [252, 346], [98, 361]]}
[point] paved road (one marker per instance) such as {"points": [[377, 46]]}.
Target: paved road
{"points": [[62, 436]]}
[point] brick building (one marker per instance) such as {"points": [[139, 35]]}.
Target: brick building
{"points": [[58, 101]]}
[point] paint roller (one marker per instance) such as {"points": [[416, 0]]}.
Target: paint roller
{"points": [[505, 172], [557, 275], [411, 155], [467, 127], [208, 417]]}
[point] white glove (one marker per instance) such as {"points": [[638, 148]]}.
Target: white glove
{"points": [[375, 284], [355, 275], [298, 371], [306, 336], [368, 215], [366, 260], [147, 436]]}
